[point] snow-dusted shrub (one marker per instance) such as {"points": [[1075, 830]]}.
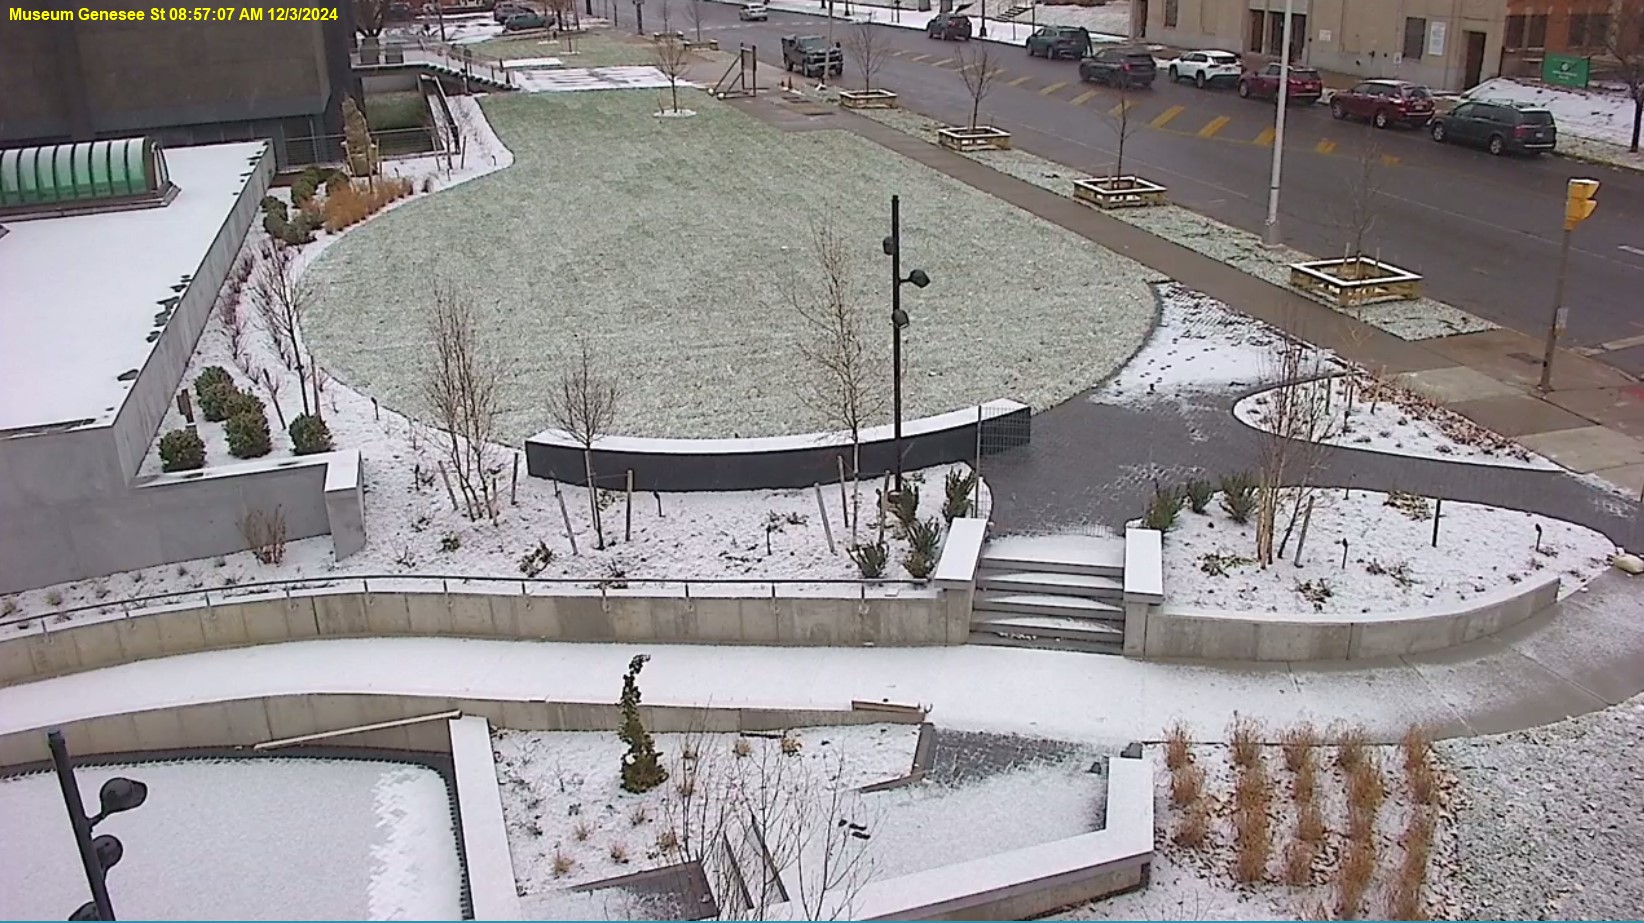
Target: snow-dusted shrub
{"points": [[181, 450], [248, 433], [309, 434]]}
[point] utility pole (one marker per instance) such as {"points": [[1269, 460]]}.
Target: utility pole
{"points": [[1270, 232], [1579, 205]]}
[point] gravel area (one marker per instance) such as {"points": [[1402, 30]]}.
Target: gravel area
{"points": [[669, 245], [1552, 825]]}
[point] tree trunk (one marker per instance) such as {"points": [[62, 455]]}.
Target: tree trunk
{"points": [[975, 109], [1638, 115], [856, 482], [673, 87], [593, 496]]}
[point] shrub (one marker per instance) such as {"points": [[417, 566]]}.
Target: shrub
{"points": [[1357, 871], [1244, 737], [239, 402], [641, 764], [1193, 830], [273, 207], [1163, 508], [214, 401], [1350, 748], [1299, 742], [1239, 496], [536, 560], [210, 377], [870, 559], [181, 450], [1186, 785], [1199, 491], [1252, 844], [959, 487], [1178, 747], [309, 434], [918, 564], [904, 507], [1298, 863], [1310, 825], [562, 864], [248, 434], [925, 536]]}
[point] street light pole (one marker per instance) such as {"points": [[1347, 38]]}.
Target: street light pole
{"points": [[1270, 231], [898, 321], [95, 873]]}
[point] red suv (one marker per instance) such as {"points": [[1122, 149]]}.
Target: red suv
{"points": [[1384, 103], [1305, 84]]}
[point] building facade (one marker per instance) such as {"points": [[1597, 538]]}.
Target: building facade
{"points": [[1445, 44], [1537, 28], [180, 82]]}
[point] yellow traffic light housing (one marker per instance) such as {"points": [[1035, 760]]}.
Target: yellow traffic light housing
{"points": [[1579, 203]]}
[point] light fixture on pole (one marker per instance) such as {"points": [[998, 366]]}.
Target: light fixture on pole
{"points": [[1270, 231], [97, 855], [1579, 205], [899, 318]]}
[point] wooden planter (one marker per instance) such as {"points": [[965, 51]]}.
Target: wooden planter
{"points": [[867, 99], [980, 138], [1118, 192], [1355, 281], [664, 36], [707, 44]]}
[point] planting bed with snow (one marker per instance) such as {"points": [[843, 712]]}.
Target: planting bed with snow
{"points": [[255, 839], [1391, 564], [668, 246]]}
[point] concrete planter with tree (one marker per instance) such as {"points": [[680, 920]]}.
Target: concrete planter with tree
{"points": [[867, 47], [1119, 189], [978, 69]]}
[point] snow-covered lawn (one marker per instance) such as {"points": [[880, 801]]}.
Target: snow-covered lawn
{"points": [[256, 839], [667, 245], [1391, 564], [1379, 416], [1597, 114], [1111, 21]]}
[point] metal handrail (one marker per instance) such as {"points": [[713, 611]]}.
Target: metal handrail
{"points": [[137, 604], [461, 58]]}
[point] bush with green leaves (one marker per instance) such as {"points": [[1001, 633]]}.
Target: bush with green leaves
{"points": [[904, 507], [870, 559], [308, 183], [239, 402], [641, 765], [209, 377], [215, 399], [925, 536], [181, 450], [918, 564], [247, 434], [273, 207], [959, 488], [1199, 491], [1239, 495], [309, 434], [1163, 508]]}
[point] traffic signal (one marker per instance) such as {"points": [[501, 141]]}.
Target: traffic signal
{"points": [[1579, 203]]}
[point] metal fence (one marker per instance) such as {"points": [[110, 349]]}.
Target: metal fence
{"points": [[391, 145], [999, 444], [459, 60]]}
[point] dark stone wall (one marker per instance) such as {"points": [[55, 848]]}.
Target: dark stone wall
{"points": [[780, 470]]}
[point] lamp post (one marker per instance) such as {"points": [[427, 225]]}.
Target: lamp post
{"points": [[102, 853], [899, 319], [1270, 232]]}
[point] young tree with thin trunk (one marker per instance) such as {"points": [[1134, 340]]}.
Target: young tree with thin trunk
{"points": [[584, 405], [1118, 118], [868, 47], [846, 385], [695, 11], [463, 388], [669, 55], [1298, 419], [978, 69], [1625, 43], [1363, 198], [282, 297], [667, 27]]}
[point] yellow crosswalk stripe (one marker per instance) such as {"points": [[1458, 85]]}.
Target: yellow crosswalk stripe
{"points": [[1265, 139], [1052, 88], [1123, 107], [1163, 118], [1214, 125], [1019, 81], [942, 63], [1325, 146], [1083, 98]]}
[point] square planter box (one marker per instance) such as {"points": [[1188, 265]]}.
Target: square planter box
{"points": [[980, 138], [867, 99], [1355, 281], [664, 36], [1118, 192], [707, 44]]}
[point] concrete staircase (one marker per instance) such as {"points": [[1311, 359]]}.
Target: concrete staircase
{"points": [[1051, 592], [1015, 11]]}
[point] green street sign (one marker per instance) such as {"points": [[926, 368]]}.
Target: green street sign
{"points": [[1566, 70]]}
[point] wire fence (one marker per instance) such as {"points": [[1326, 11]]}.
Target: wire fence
{"points": [[391, 144]]}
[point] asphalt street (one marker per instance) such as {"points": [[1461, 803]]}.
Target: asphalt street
{"points": [[1484, 231]]}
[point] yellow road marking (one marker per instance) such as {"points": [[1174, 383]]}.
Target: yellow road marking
{"points": [[1163, 118], [1052, 88], [920, 57], [1265, 139], [1123, 107], [1388, 160], [1083, 98], [942, 63], [1214, 125], [1019, 81], [1325, 147]]}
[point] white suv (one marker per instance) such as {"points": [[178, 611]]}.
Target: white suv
{"points": [[1206, 68], [753, 12]]}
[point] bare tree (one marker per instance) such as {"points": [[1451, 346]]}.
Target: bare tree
{"points": [[694, 11], [669, 55], [463, 387], [866, 44], [1118, 118], [1362, 204], [1625, 43], [561, 10], [282, 296], [1298, 420], [584, 405], [978, 69], [846, 386], [667, 27]]}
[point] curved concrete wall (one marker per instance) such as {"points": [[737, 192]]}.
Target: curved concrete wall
{"points": [[1170, 633], [782, 462]]}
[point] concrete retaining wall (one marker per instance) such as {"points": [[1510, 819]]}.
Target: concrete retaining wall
{"points": [[491, 882], [1173, 633], [914, 617], [782, 462]]}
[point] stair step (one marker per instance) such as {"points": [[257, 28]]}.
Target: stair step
{"points": [[1053, 584], [1050, 626], [989, 639], [1076, 607], [1059, 554]]}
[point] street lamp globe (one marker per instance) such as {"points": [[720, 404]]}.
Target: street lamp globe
{"points": [[918, 278], [899, 318]]}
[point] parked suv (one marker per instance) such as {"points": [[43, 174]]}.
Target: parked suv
{"points": [[812, 56], [1207, 68], [1498, 127], [753, 12], [1305, 84], [1120, 67], [1384, 103], [949, 27], [1059, 42]]}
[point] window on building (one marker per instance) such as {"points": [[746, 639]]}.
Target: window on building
{"points": [[1172, 13], [1415, 36], [1588, 30], [1536, 33], [1515, 32], [1258, 29]]}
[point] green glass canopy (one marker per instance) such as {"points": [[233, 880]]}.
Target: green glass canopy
{"points": [[80, 174]]}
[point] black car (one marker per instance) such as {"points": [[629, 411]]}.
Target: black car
{"points": [[1059, 42], [949, 27], [1498, 127], [1120, 67]]}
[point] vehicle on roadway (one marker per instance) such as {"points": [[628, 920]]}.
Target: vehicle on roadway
{"points": [[502, 11], [1120, 67], [1059, 42], [812, 56], [520, 22], [949, 27], [753, 12], [1499, 127], [1206, 68], [1385, 103], [1306, 86]]}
